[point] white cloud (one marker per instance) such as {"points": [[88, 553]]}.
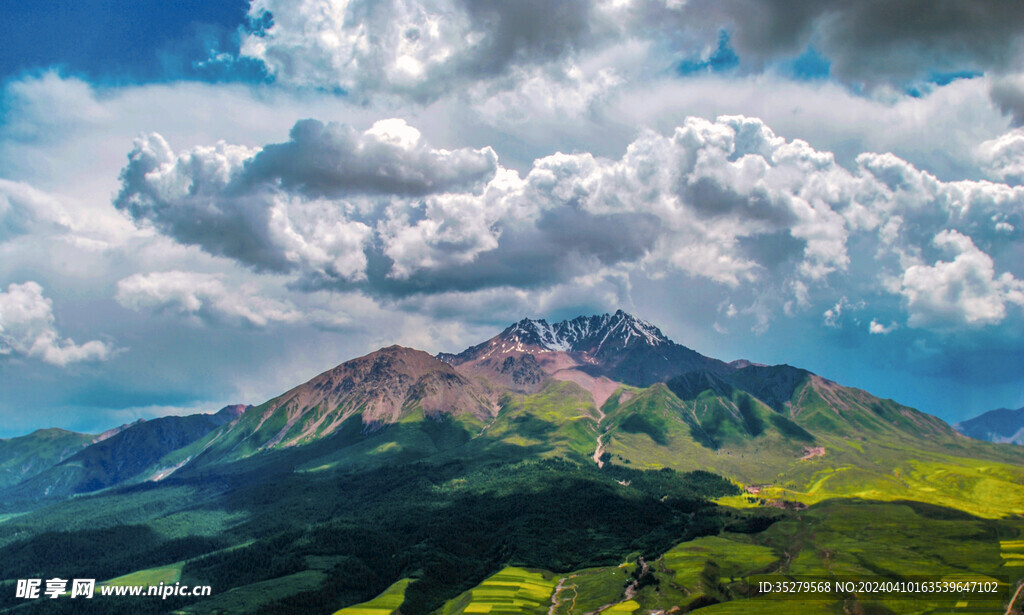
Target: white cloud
{"points": [[916, 205], [963, 292], [295, 205], [877, 328], [833, 316], [415, 49], [27, 328], [206, 297], [26, 210], [538, 95], [930, 131], [726, 200], [1003, 157]]}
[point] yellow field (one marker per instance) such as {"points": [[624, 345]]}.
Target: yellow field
{"points": [[512, 590], [623, 608], [384, 604], [168, 575]]}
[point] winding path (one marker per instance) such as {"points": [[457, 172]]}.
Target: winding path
{"points": [[600, 445], [557, 602]]}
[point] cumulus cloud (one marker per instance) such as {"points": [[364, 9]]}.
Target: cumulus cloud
{"points": [[389, 158], [266, 208], [422, 49], [964, 291], [726, 200], [416, 49], [1003, 157], [911, 205], [27, 328], [206, 297], [723, 200]]}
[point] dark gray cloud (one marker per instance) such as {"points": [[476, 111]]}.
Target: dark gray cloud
{"points": [[526, 31], [712, 199], [869, 42], [564, 243], [880, 39], [1008, 94]]}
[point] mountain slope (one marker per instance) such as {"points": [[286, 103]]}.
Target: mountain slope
{"points": [[1002, 425], [122, 456], [25, 456], [386, 387], [826, 441]]}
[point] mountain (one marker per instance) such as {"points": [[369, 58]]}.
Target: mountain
{"points": [[120, 457], [596, 352], [648, 475], [1002, 425], [25, 456], [590, 387], [389, 386]]}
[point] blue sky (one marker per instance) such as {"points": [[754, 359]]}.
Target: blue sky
{"points": [[119, 41], [205, 203]]}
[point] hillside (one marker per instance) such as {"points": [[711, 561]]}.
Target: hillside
{"points": [[120, 457], [386, 387], [24, 457]]}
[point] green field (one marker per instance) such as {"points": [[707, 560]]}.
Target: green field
{"points": [[588, 590]]}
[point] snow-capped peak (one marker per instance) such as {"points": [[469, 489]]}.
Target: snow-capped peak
{"points": [[586, 333]]}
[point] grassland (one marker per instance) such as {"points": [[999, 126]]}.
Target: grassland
{"points": [[585, 591], [898, 471], [561, 420], [257, 597]]}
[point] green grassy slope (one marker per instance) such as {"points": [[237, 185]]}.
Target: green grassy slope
{"points": [[25, 456], [826, 441], [560, 420]]}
